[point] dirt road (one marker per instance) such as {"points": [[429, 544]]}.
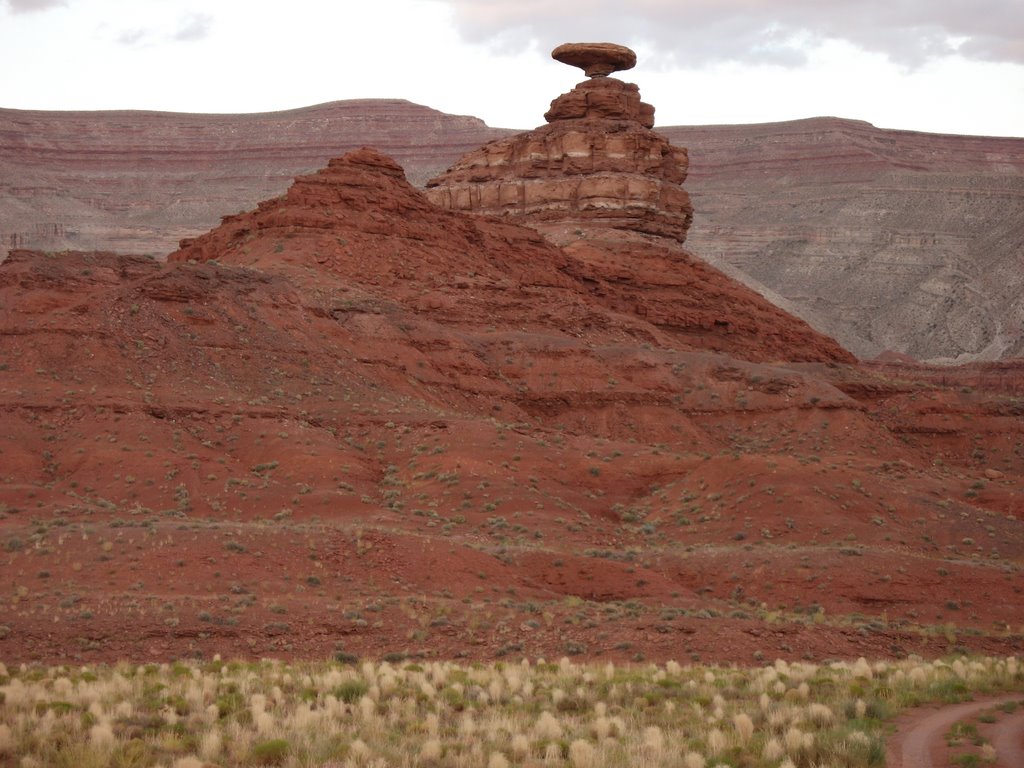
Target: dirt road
{"points": [[919, 741]]}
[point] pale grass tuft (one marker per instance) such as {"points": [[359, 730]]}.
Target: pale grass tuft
{"points": [[673, 667], [716, 741], [210, 744], [188, 762], [988, 753], [861, 668], [602, 728], [860, 708], [496, 690], [359, 751], [547, 726], [264, 722], [582, 754], [432, 723], [654, 740], [431, 751], [794, 740], [918, 677], [520, 745], [819, 714], [552, 754], [694, 760], [772, 750], [367, 707], [102, 735], [6, 739], [744, 727], [618, 726]]}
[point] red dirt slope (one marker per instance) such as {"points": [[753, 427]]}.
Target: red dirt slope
{"points": [[349, 420]]}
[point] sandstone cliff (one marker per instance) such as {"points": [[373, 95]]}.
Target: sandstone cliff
{"points": [[596, 164]]}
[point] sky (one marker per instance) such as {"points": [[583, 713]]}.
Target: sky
{"points": [[944, 66]]}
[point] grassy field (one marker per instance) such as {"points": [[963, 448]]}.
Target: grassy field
{"points": [[377, 714]]}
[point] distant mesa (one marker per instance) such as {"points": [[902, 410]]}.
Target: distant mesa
{"points": [[597, 166], [596, 59]]}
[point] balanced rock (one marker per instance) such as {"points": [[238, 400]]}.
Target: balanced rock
{"points": [[596, 59], [597, 165]]}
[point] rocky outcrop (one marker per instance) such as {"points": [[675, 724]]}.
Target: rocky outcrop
{"points": [[359, 217], [597, 165]]}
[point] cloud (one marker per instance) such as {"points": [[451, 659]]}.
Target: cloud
{"points": [[187, 29], [194, 27], [132, 36], [755, 31], [27, 6]]}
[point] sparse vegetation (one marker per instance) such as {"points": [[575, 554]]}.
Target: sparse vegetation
{"points": [[500, 715]]}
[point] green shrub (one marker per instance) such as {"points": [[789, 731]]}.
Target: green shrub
{"points": [[271, 752], [351, 691]]}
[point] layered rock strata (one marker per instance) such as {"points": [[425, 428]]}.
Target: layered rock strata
{"points": [[596, 164], [137, 182], [883, 239]]}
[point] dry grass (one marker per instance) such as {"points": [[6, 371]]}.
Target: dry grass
{"points": [[187, 715]]}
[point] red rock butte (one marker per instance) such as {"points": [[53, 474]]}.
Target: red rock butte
{"points": [[596, 165]]}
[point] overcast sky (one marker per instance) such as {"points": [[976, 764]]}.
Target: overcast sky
{"points": [[952, 66]]}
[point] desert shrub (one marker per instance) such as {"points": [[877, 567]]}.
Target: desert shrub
{"points": [[271, 752]]}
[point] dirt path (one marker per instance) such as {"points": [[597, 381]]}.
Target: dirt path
{"points": [[919, 741], [1008, 739]]}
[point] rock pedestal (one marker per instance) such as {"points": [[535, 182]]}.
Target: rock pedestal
{"points": [[597, 164]]}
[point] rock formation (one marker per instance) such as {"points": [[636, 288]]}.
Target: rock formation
{"points": [[349, 401], [596, 165], [928, 226], [353, 217], [595, 59], [351, 416]]}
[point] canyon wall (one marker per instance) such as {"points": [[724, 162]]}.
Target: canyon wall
{"points": [[886, 240]]}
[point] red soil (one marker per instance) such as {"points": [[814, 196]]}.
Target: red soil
{"points": [[351, 421]]}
